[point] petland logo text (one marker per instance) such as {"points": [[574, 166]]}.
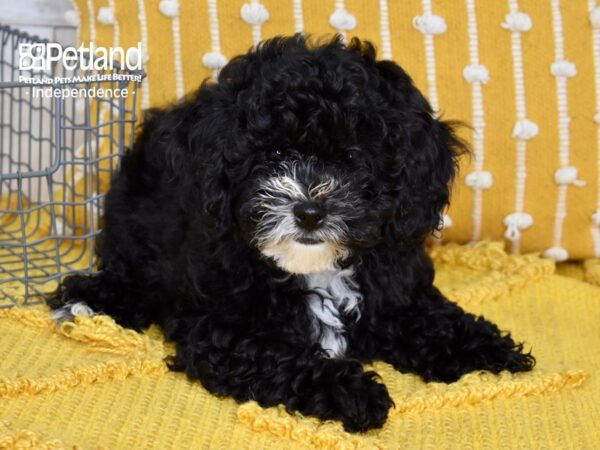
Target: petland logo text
{"points": [[40, 56]]}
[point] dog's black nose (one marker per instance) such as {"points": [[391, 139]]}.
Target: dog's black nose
{"points": [[309, 215]]}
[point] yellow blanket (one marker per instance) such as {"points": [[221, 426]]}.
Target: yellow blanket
{"points": [[91, 384]]}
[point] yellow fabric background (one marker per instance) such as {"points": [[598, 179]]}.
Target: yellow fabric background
{"points": [[93, 385], [451, 56]]}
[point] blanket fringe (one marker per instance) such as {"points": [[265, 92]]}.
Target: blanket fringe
{"points": [[472, 389], [69, 377], [504, 273], [309, 431], [11, 439], [477, 387]]}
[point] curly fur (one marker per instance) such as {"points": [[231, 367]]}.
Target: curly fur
{"points": [[205, 194]]}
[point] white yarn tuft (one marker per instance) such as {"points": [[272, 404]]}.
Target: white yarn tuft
{"points": [[384, 30], [72, 17], [430, 24], [92, 20], [169, 8], [63, 227], [563, 68], [595, 17], [69, 311], [145, 103], [342, 20], [517, 21], [476, 73], [557, 253], [214, 60], [446, 222], [597, 118], [568, 175], [298, 16], [134, 57], [525, 129], [106, 15], [81, 309], [479, 179], [515, 223], [596, 218], [254, 13]]}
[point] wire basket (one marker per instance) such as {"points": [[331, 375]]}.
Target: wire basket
{"points": [[57, 155]]}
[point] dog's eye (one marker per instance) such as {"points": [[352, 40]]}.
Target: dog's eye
{"points": [[275, 154], [350, 155]]}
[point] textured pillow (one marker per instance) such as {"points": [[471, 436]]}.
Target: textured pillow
{"points": [[525, 74]]}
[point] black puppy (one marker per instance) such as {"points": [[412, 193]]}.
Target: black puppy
{"points": [[273, 225]]}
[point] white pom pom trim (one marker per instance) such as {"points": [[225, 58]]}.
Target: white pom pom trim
{"points": [[596, 218], [558, 254], [430, 24], [476, 73], [169, 8], [134, 55], [342, 20], [446, 222], [515, 223], [525, 129], [63, 227], [568, 175], [481, 179], [597, 118], [254, 13], [106, 15], [595, 17], [517, 21], [563, 68], [72, 17], [214, 60]]}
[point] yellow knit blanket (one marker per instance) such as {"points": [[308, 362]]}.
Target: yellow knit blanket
{"points": [[91, 384]]}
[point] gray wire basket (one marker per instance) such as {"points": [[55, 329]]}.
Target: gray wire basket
{"points": [[57, 155]]}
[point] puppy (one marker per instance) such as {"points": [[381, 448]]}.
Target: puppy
{"points": [[273, 224]]}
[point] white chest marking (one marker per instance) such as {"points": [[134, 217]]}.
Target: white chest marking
{"points": [[334, 294]]}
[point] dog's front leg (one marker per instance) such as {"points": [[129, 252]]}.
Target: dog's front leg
{"points": [[434, 338], [273, 365]]}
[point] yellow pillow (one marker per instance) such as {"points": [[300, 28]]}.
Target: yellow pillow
{"points": [[524, 74]]}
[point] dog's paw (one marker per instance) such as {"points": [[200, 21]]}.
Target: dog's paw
{"points": [[340, 390], [502, 353], [69, 311], [365, 406]]}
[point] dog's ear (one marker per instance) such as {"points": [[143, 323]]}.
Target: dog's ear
{"points": [[221, 165], [193, 145], [215, 157], [423, 152]]}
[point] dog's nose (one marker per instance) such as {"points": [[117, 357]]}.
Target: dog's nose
{"points": [[309, 215]]}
